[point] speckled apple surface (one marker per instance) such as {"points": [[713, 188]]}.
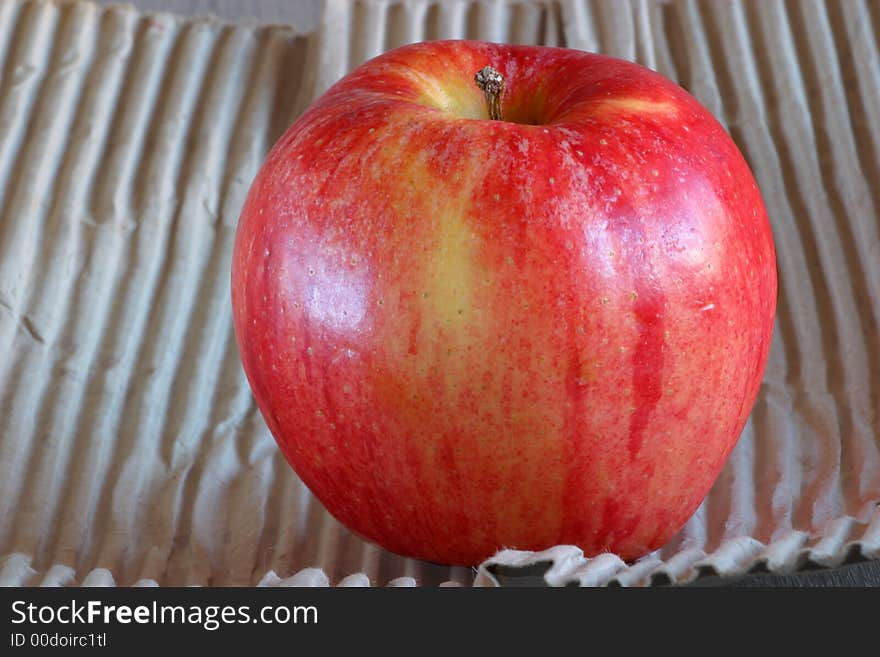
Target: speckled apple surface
{"points": [[468, 334]]}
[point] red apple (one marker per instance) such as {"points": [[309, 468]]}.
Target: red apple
{"points": [[469, 334]]}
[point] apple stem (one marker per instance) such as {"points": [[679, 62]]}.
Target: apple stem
{"points": [[491, 83]]}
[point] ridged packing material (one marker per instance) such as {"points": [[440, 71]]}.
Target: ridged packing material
{"points": [[131, 451]]}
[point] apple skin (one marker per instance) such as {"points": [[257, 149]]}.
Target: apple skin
{"points": [[468, 335]]}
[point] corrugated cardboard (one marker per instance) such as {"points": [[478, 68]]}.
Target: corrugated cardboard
{"points": [[131, 451]]}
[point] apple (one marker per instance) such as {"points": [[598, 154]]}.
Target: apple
{"points": [[491, 296]]}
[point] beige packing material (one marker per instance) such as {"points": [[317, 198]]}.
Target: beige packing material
{"points": [[130, 448]]}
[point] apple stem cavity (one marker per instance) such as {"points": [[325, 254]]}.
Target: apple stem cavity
{"points": [[491, 83]]}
